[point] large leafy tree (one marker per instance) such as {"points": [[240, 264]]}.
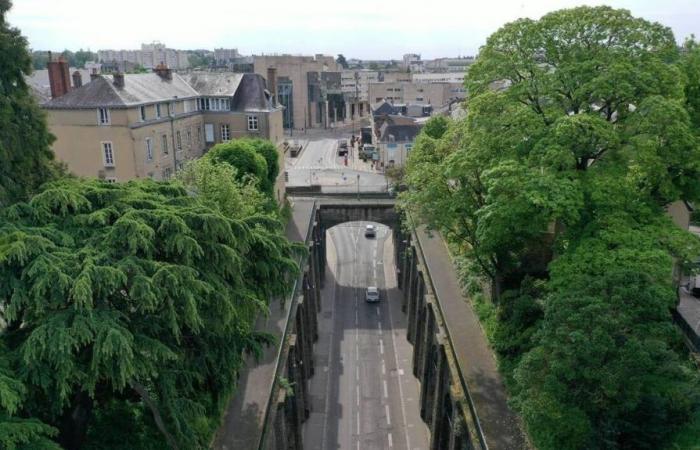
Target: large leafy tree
{"points": [[25, 156], [242, 155], [141, 293], [578, 135]]}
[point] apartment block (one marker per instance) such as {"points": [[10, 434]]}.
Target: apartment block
{"points": [[124, 126]]}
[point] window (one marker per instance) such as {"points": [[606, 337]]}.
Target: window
{"points": [[189, 138], [419, 99], [199, 135], [142, 113], [178, 140], [167, 172], [209, 132], [103, 116], [149, 149], [108, 154], [225, 133], [158, 111], [164, 144], [253, 123], [171, 109], [186, 106]]}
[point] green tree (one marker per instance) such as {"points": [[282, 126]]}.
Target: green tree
{"points": [[243, 156], [342, 62], [269, 151], [436, 127], [578, 135], [690, 64], [142, 293], [26, 160]]}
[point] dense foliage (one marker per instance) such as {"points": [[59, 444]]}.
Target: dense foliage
{"points": [[133, 304], [256, 158], [580, 132], [26, 160]]}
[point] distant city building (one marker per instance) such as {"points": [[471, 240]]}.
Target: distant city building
{"points": [[149, 56], [393, 133], [311, 90], [225, 55], [412, 62], [423, 93], [440, 77], [460, 64]]}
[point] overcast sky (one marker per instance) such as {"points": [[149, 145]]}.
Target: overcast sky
{"points": [[357, 28]]}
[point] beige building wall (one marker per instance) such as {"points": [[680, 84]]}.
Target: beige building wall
{"points": [[436, 94], [79, 140], [296, 68]]}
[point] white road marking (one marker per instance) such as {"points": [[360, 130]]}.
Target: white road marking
{"points": [[381, 346], [357, 416], [386, 390], [357, 394], [388, 415], [391, 441], [383, 368], [357, 373]]}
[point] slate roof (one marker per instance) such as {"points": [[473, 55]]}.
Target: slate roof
{"points": [[398, 129], [138, 89], [214, 83], [248, 91], [252, 94]]}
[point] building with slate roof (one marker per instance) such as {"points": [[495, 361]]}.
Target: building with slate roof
{"points": [[125, 126]]}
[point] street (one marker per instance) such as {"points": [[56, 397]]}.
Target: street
{"points": [[319, 164], [363, 395]]}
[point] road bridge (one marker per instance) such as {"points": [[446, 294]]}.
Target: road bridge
{"points": [[446, 392]]}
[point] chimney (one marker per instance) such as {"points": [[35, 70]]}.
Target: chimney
{"points": [[163, 71], [59, 76], [77, 80], [118, 79], [272, 84], [94, 74]]}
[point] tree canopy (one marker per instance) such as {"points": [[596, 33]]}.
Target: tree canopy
{"points": [[26, 160], [249, 158], [342, 62], [579, 133], [141, 294]]}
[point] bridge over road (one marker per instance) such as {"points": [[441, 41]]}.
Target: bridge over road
{"points": [[453, 396]]}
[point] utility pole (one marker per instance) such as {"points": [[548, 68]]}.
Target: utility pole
{"points": [[358, 186], [352, 118]]}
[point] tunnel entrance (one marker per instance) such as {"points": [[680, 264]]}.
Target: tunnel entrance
{"points": [[363, 393]]}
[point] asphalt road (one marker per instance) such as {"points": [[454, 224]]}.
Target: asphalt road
{"points": [[363, 395], [319, 164]]}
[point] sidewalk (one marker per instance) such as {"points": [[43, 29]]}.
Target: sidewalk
{"points": [[242, 424], [476, 360]]}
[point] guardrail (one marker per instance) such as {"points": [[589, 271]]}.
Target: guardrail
{"points": [[287, 324], [465, 387]]}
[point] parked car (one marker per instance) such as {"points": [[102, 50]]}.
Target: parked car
{"points": [[372, 295], [370, 231], [342, 147]]}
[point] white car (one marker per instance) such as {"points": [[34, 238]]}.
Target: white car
{"points": [[370, 231], [372, 295]]}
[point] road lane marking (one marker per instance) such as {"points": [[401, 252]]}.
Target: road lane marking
{"points": [[357, 415], [383, 368], [391, 441], [381, 346], [357, 394], [388, 414], [386, 390], [357, 373]]}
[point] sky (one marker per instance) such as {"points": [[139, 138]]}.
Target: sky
{"points": [[365, 29]]}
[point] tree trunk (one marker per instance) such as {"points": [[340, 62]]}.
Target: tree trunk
{"points": [[141, 389], [74, 422]]}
